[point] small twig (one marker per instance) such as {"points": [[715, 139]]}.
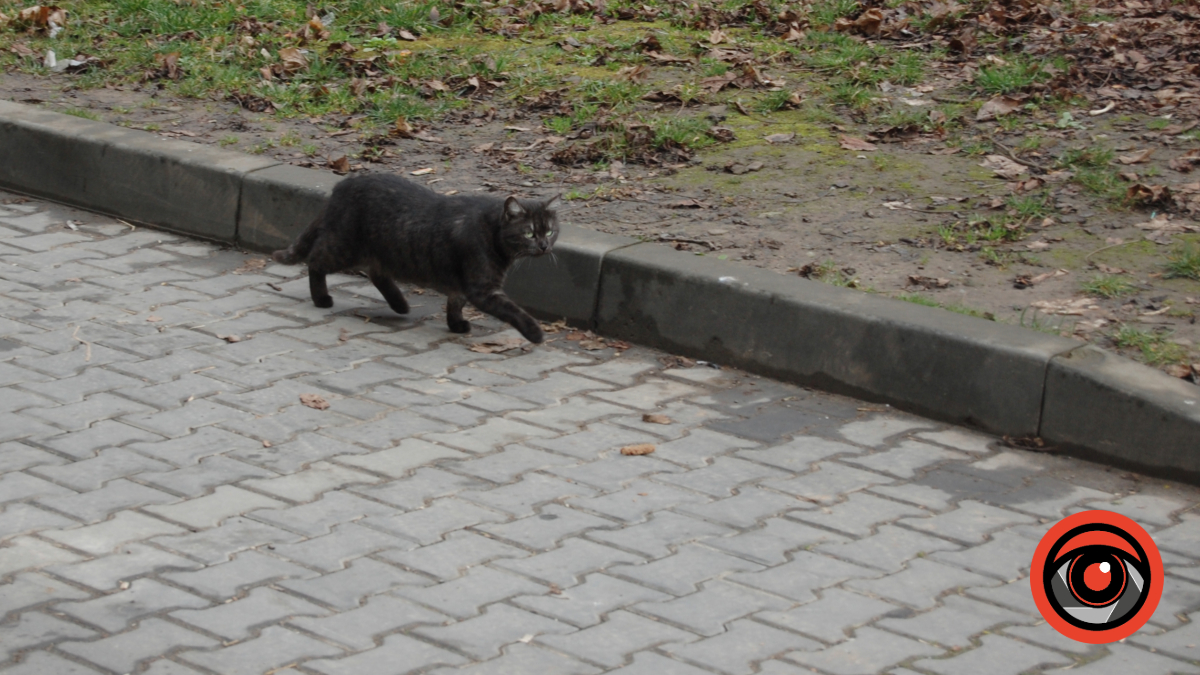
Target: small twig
{"points": [[1108, 247], [699, 242], [75, 335], [1009, 153]]}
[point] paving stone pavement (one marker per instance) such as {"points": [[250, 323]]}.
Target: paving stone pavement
{"points": [[170, 507]]}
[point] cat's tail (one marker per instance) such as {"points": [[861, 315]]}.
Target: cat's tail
{"points": [[299, 250]]}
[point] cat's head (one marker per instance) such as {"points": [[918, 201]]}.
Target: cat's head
{"points": [[531, 227]]}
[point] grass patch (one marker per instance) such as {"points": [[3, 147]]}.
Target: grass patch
{"points": [[1108, 286], [918, 299], [1184, 263], [1016, 74], [1154, 347]]}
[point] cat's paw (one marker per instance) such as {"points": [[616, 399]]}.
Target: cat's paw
{"points": [[533, 333], [399, 308], [324, 303], [460, 326]]}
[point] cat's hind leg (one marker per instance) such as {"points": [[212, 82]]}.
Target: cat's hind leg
{"points": [[502, 307], [454, 314], [387, 287], [318, 289]]}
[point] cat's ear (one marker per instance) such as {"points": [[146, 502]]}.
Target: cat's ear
{"points": [[554, 202], [513, 209]]}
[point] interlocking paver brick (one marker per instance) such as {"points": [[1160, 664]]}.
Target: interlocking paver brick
{"points": [[535, 364], [346, 542], [126, 563], [650, 394], [1007, 555], [567, 564], [746, 509], [1179, 598], [868, 652], [210, 510], [614, 470], [236, 620], [451, 557], [1048, 497], [358, 627], [955, 622], [920, 585], [307, 484], [409, 454], [463, 597], [40, 663], [770, 543], [1044, 635], [21, 518], [318, 517], [424, 485], [430, 524], [804, 576], [1126, 659], [717, 603], [189, 449], [31, 590], [98, 504], [698, 448], [959, 439], [723, 476], [545, 529], [483, 636], [520, 498], [391, 429], [19, 486], [858, 515], [105, 434], [92, 473], [597, 438], [35, 629], [346, 588], [684, 571], [832, 617], [489, 435], [18, 456], [209, 473], [273, 648], [102, 406], [121, 653], [624, 370], [396, 651], [738, 650], [997, 656], [971, 522], [623, 633], [1143, 508], [889, 548], [637, 500], [571, 414], [102, 538], [143, 597], [659, 535], [650, 663], [682, 417], [218, 544], [23, 553], [921, 495], [906, 459], [513, 460], [249, 568], [874, 431], [585, 604], [828, 482], [554, 389]]}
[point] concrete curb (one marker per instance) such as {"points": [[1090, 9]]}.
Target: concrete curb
{"points": [[995, 377]]}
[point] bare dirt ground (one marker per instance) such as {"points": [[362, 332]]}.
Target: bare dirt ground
{"points": [[911, 214]]}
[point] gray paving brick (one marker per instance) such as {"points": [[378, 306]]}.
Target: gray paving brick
{"points": [[874, 431], [35, 629], [18, 456], [307, 484], [828, 482], [238, 619], [332, 551], [178, 392], [504, 466], [614, 470], [920, 585], [738, 650], [623, 633], [1044, 635], [650, 663], [268, 369], [906, 458], [997, 656], [78, 416], [396, 650], [15, 426], [567, 564], [524, 658], [249, 568], [273, 648], [535, 364], [554, 389], [218, 544], [1125, 659], [430, 524], [21, 518], [746, 509], [489, 435], [683, 418], [318, 517], [79, 387], [98, 504], [483, 636], [359, 627], [1049, 497], [870, 651], [411, 453], [591, 442], [18, 486], [424, 485], [921, 495], [723, 476], [650, 394], [27, 553], [102, 538], [1007, 555], [954, 623], [31, 590], [623, 370], [122, 653], [92, 473], [544, 530], [348, 588], [210, 510], [143, 597], [1182, 538], [586, 604], [858, 515], [126, 563], [971, 522], [768, 544], [1179, 598], [463, 597], [1145, 509], [889, 548], [451, 557], [571, 414], [185, 419], [959, 439], [212, 471], [638, 500], [699, 448], [40, 663], [804, 576], [832, 617], [391, 429], [718, 603], [521, 498], [683, 572]]}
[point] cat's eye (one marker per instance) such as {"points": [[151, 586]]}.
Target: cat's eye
{"points": [[530, 235]]}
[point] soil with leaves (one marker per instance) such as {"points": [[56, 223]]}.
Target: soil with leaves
{"points": [[1026, 161]]}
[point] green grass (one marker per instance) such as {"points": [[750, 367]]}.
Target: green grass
{"points": [[1184, 263], [1154, 347], [918, 299], [1015, 75], [1108, 286], [82, 112]]}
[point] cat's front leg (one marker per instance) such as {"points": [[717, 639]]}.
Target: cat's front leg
{"points": [[502, 307], [454, 314], [318, 290], [390, 292]]}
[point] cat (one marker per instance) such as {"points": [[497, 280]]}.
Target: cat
{"points": [[396, 230]]}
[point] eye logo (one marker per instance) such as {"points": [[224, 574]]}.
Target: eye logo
{"points": [[1096, 577]]}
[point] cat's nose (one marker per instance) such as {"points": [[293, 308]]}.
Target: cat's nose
{"points": [[544, 245]]}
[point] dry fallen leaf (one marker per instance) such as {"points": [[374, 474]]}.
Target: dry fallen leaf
{"points": [[496, 345], [639, 449], [852, 143], [154, 319], [1066, 307], [780, 138], [997, 107], [1186, 162], [1003, 166], [1179, 370], [656, 418], [422, 172], [1137, 157], [592, 344], [314, 401], [293, 60], [230, 338], [339, 165]]}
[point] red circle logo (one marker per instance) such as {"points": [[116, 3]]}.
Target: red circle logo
{"points": [[1096, 577]]}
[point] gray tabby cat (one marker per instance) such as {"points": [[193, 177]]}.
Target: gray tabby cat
{"points": [[400, 231]]}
